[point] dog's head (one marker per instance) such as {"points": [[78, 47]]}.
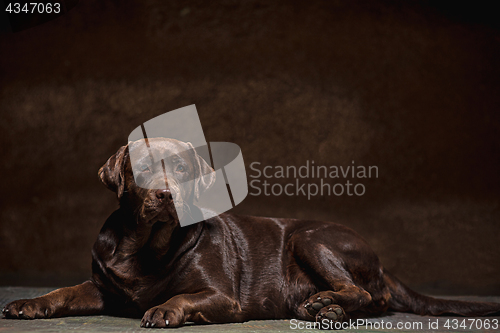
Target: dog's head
{"points": [[165, 170]]}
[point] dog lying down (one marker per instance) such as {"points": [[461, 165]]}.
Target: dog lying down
{"points": [[224, 269]]}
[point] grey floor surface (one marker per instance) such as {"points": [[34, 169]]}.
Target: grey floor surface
{"points": [[387, 323]]}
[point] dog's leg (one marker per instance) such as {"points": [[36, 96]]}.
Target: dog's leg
{"points": [[83, 299], [326, 263], [202, 307]]}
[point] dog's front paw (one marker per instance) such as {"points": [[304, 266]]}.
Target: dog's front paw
{"points": [[27, 309], [162, 316]]}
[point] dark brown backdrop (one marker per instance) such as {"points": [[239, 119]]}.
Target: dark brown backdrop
{"points": [[411, 87]]}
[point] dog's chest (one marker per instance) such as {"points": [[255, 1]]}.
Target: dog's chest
{"points": [[132, 275]]}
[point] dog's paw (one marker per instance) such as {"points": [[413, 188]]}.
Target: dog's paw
{"points": [[318, 301], [162, 316], [332, 313], [27, 309]]}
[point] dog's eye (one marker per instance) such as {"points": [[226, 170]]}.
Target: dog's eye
{"points": [[144, 168], [180, 168]]}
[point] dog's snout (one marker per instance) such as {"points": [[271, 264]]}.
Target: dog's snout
{"points": [[164, 195]]}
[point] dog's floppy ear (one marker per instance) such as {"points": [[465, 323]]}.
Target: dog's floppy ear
{"points": [[205, 175], [112, 173]]}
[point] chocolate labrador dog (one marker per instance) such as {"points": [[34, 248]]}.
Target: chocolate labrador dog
{"points": [[224, 269]]}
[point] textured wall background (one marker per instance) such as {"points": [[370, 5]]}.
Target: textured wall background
{"points": [[412, 87]]}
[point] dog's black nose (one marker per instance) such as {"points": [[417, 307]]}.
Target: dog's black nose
{"points": [[164, 195]]}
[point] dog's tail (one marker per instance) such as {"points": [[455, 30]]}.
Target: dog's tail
{"points": [[403, 299]]}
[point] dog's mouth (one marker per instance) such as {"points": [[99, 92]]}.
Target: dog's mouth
{"points": [[152, 212]]}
